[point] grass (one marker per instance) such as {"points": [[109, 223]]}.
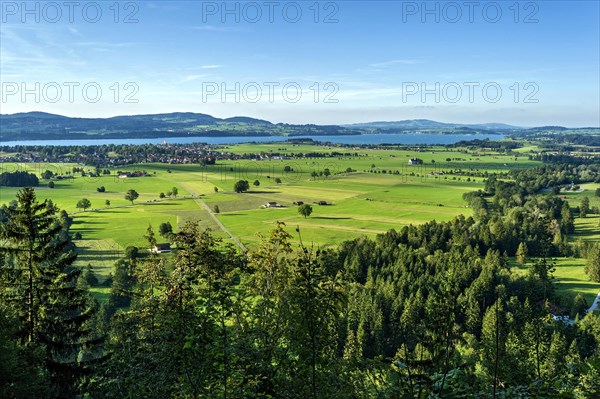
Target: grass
{"points": [[101, 294], [570, 278], [362, 203]]}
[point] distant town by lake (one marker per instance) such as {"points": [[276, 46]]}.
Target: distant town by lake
{"points": [[396, 138]]}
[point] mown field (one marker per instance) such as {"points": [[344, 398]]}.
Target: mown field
{"points": [[368, 191]]}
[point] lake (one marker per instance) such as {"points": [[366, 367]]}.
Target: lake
{"points": [[395, 138]]}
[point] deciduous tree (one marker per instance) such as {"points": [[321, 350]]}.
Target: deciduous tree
{"points": [[305, 210], [131, 195], [241, 186], [84, 204]]}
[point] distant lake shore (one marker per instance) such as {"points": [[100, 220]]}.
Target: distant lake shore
{"points": [[365, 139]]}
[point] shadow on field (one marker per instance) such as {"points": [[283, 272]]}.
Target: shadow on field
{"points": [[583, 231], [87, 230], [262, 192], [233, 214], [86, 222], [576, 283], [95, 253], [331, 218]]}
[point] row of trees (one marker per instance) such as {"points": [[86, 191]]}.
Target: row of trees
{"points": [[84, 203], [131, 195]]}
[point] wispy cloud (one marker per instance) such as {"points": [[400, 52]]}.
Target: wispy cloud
{"points": [[386, 64], [214, 66], [191, 78], [74, 31]]}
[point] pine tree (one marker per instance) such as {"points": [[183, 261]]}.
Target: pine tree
{"points": [[592, 267], [41, 288], [22, 370], [315, 297], [567, 222], [522, 253], [584, 208]]}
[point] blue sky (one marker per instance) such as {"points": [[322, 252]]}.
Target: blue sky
{"points": [[523, 63]]}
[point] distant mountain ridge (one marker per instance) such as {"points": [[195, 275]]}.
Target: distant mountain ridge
{"points": [[429, 124], [45, 126]]}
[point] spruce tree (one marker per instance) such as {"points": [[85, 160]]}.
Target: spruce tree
{"points": [[522, 253], [584, 208], [567, 222], [40, 286], [592, 267]]}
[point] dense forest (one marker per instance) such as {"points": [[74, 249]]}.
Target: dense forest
{"points": [[427, 311]]}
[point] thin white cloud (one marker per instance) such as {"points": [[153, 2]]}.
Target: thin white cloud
{"points": [[74, 31], [215, 66], [191, 78], [386, 64]]}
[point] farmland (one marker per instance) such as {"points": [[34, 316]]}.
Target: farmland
{"points": [[367, 191], [379, 193]]}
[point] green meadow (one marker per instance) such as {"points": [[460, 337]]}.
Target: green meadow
{"points": [[570, 278], [368, 191], [381, 192]]}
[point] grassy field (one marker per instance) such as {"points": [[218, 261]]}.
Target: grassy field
{"points": [[571, 278], [359, 204], [380, 192]]}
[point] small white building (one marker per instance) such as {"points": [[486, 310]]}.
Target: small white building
{"points": [[161, 248], [272, 204]]}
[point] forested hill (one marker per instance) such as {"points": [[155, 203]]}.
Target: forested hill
{"points": [[44, 126], [39, 125]]}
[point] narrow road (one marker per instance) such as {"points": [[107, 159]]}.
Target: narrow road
{"points": [[201, 202], [195, 197]]}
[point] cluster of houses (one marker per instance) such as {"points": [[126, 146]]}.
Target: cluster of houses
{"points": [[137, 173], [109, 156]]}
